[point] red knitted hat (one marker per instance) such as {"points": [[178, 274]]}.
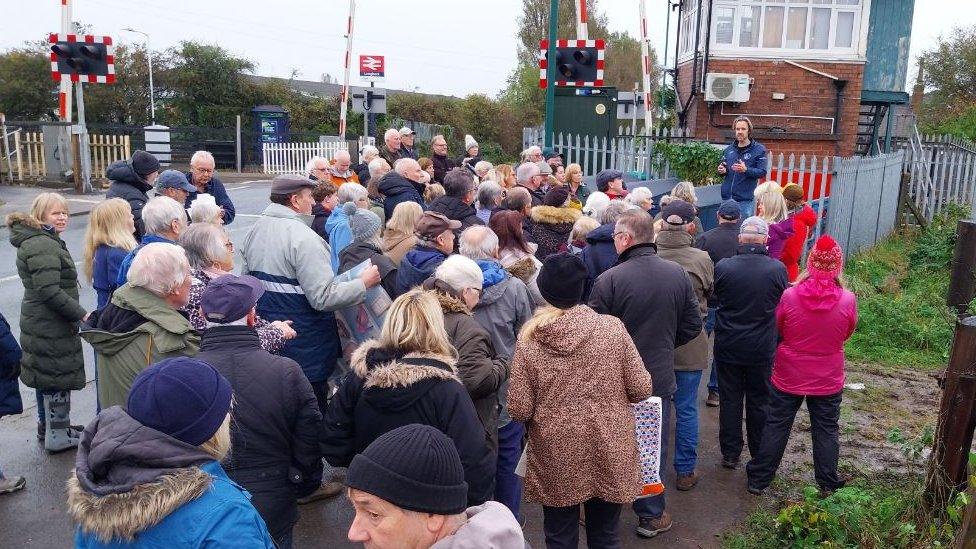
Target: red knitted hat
{"points": [[826, 259]]}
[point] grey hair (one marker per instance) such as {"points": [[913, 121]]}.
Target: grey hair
{"points": [[531, 150], [390, 133], [526, 171], [483, 167], [342, 152], [159, 213], [460, 272], [478, 242], [685, 191], [159, 268], [370, 152], [400, 166], [639, 195], [202, 155], [203, 243], [376, 165], [489, 194], [351, 193], [614, 210], [310, 165], [204, 211]]}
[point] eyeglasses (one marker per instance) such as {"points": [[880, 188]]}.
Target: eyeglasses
{"points": [[479, 290], [616, 234], [229, 245], [203, 170]]}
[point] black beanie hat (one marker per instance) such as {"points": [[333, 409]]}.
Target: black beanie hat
{"points": [[415, 467], [561, 280], [144, 163]]}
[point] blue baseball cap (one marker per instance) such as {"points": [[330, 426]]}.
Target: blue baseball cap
{"points": [[228, 298], [174, 179], [730, 210]]}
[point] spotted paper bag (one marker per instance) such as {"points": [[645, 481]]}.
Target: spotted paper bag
{"points": [[647, 416]]}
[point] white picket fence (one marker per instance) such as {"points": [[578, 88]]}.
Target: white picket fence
{"points": [[281, 158]]}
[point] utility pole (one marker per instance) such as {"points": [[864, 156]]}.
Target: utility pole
{"points": [[551, 71], [581, 18], [344, 99]]}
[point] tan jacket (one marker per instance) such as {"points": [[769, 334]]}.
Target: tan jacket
{"points": [[678, 246], [397, 244], [574, 393]]}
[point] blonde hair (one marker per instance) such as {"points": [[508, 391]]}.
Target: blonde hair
{"points": [[773, 205], [572, 170], [542, 317], [582, 227], [415, 324], [504, 173], [404, 218], [44, 202], [108, 224], [685, 191], [219, 444], [433, 192]]}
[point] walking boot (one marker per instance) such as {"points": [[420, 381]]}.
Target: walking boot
{"points": [[11, 484], [58, 435]]}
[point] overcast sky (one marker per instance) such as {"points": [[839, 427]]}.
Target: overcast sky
{"points": [[451, 47]]}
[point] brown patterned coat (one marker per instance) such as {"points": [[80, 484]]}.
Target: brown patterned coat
{"points": [[574, 391]]}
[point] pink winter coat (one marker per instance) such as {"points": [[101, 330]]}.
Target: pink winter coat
{"points": [[814, 319]]}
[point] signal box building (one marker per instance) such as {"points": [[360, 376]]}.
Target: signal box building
{"points": [[814, 76]]}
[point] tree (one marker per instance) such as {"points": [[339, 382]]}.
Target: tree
{"points": [[204, 85], [127, 100], [950, 74], [26, 89]]}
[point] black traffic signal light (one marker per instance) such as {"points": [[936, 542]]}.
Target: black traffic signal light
{"points": [[577, 63], [80, 58]]}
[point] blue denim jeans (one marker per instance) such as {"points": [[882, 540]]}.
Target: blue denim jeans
{"points": [[748, 209], [709, 328], [686, 421], [508, 485], [653, 507]]}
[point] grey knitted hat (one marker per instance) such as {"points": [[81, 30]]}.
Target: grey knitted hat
{"points": [[363, 224]]}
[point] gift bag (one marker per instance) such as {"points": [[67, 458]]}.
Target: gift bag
{"points": [[647, 416]]}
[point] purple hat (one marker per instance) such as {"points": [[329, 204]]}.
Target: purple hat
{"points": [[229, 298]]}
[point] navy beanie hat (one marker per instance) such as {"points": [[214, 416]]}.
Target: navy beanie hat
{"points": [[185, 398], [415, 467], [144, 163]]}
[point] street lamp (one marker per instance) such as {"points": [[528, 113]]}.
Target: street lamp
{"points": [[152, 94]]}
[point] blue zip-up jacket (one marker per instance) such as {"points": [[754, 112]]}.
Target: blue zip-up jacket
{"points": [[417, 266], [740, 186], [340, 235], [127, 261], [105, 272], [217, 190]]}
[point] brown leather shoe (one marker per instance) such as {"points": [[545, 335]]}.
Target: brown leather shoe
{"points": [[649, 527], [712, 400], [687, 482], [327, 490]]}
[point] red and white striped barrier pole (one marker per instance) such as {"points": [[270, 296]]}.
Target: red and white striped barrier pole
{"points": [[645, 68], [64, 93], [581, 16], [344, 100]]}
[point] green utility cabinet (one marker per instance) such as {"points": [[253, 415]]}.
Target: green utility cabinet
{"points": [[586, 111]]}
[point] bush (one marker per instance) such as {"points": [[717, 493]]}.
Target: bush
{"points": [[695, 161]]}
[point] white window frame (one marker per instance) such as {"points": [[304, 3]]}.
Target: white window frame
{"points": [[854, 53]]}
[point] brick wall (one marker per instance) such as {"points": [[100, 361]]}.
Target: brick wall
{"points": [[807, 94]]}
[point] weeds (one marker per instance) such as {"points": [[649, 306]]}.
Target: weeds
{"points": [[901, 286]]}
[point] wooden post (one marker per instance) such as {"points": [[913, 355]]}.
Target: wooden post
{"points": [[954, 430], [962, 284], [966, 536]]}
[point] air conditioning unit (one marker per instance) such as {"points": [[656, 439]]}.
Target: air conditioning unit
{"points": [[732, 88]]}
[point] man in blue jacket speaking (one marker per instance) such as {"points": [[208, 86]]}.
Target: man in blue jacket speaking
{"points": [[743, 163]]}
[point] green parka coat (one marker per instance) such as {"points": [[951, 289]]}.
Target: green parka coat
{"points": [[50, 312]]}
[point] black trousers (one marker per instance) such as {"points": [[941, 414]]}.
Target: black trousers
{"points": [[824, 415], [738, 383], [312, 481], [561, 525]]}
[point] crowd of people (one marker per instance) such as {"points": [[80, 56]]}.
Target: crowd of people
{"points": [[528, 313]]}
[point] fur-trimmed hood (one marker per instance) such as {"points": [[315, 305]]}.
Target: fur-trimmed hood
{"points": [[384, 369], [523, 269], [23, 226], [449, 301], [551, 215], [129, 477]]}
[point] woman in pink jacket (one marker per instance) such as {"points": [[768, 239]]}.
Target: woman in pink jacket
{"points": [[814, 317]]}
